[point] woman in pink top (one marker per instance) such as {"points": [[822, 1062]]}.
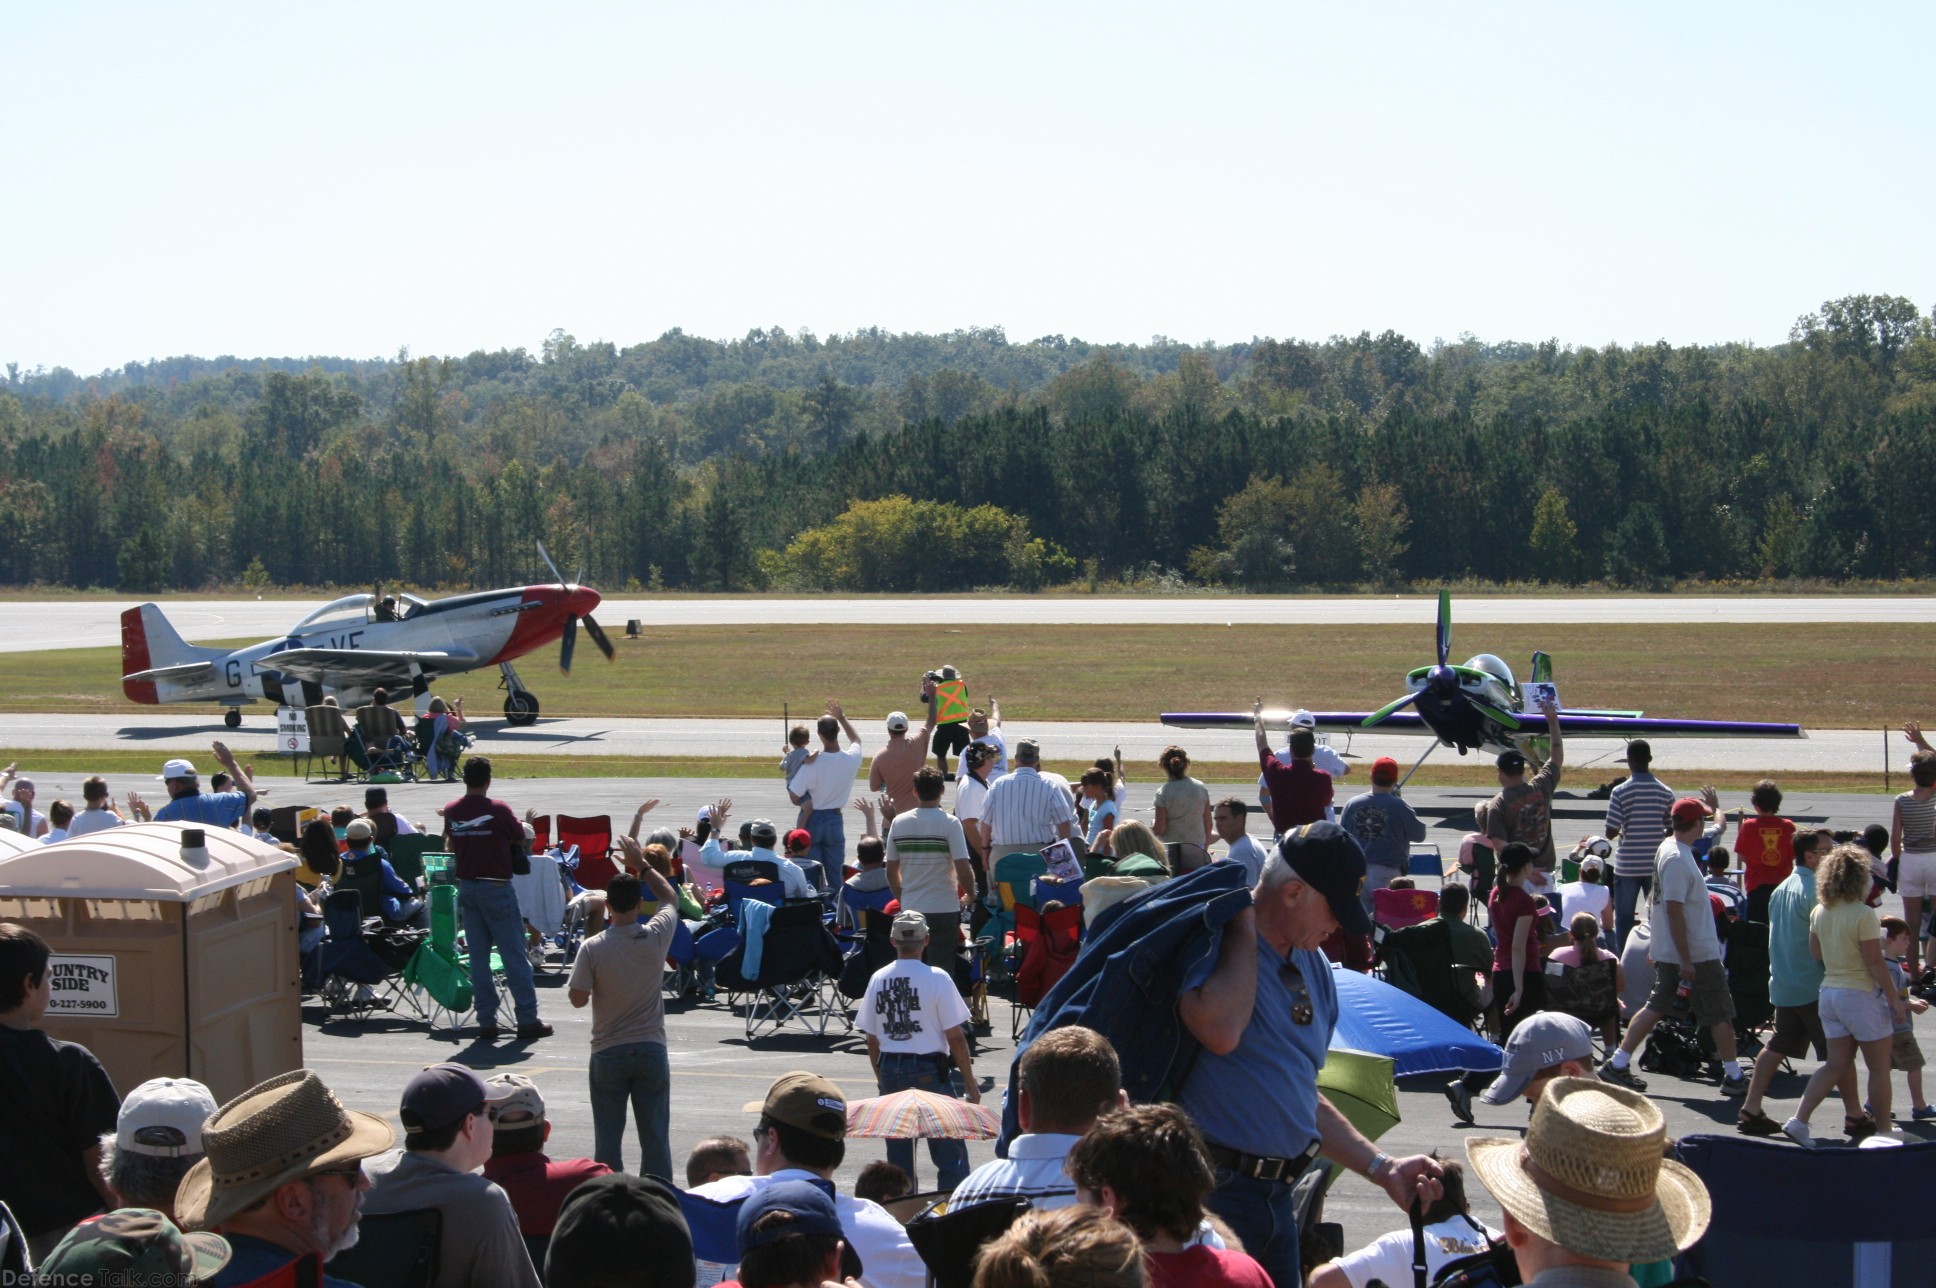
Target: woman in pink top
{"points": [[1590, 981]]}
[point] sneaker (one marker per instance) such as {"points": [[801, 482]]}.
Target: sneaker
{"points": [[1924, 1114], [1735, 1086], [1624, 1077], [1797, 1130], [535, 1029], [1461, 1097], [489, 1032]]}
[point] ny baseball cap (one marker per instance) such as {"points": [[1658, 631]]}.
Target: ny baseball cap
{"points": [[177, 769], [1688, 810], [1327, 858], [897, 722], [441, 1095], [807, 1101], [1540, 1042], [909, 928], [1384, 770], [513, 1094], [163, 1118]]}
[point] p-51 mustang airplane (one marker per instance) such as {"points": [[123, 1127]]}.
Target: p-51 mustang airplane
{"points": [[359, 643], [1480, 705]]}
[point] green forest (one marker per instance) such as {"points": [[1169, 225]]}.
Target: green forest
{"points": [[886, 462]]}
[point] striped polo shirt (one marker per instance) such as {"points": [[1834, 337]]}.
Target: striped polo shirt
{"points": [[1639, 807], [1023, 811], [1918, 822]]}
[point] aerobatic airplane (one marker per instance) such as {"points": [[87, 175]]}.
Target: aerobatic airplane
{"points": [[352, 646], [1480, 705]]}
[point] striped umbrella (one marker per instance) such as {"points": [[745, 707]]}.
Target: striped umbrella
{"points": [[914, 1114]]}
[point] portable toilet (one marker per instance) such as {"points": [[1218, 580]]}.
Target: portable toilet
{"points": [[174, 950]]}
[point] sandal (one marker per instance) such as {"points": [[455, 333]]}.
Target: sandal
{"points": [[1757, 1124], [1857, 1128]]}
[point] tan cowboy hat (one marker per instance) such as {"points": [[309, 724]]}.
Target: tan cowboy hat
{"points": [[271, 1134], [1589, 1177]]}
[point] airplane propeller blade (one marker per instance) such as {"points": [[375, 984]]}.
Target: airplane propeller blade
{"points": [[570, 643], [1445, 625], [1379, 715], [597, 633], [555, 574], [1503, 719]]}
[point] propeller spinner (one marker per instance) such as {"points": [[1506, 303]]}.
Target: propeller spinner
{"points": [[569, 644], [1442, 681]]}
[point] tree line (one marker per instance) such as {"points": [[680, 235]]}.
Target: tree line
{"points": [[878, 462]]}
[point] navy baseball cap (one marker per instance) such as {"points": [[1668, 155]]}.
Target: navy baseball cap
{"points": [[1327, 858], [811, 1210], [443, 1094]]}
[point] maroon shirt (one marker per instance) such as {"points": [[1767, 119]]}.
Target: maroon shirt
{"points": [[537, 1186], [1202, 1267], [1299, 791], [483, 833]]}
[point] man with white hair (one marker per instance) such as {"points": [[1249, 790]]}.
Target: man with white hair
{"points": [[1024, 809], [1264, 1012]]}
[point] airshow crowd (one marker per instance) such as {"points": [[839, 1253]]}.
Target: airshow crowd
{"points": [[1620, 942]]}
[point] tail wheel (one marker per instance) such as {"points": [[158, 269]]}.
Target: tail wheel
{"points": [[521, 708], [233, 718]]}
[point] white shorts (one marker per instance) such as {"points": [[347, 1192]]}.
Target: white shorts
{"points": [[1916, 876], [1856, 1013]]}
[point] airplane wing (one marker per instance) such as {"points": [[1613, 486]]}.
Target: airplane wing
{"points": [[352, 667], [1581, 724], [181, 674]]}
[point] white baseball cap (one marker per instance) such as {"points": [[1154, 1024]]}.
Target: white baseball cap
{"points": [[178, 769], [897, 721], [161, 1110], [1302, 719]]}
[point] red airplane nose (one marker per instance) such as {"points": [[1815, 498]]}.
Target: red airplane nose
{"points": [[581, 600]]}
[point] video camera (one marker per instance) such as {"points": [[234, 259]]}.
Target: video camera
{"points": [[936, 677]]}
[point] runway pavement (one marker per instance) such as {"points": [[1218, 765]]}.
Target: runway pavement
{"points": [[90, 623], [187, 728]]}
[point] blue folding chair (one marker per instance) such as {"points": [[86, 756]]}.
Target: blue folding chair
{"points": [[854, 903], [1426, 861], [715, 1235]]}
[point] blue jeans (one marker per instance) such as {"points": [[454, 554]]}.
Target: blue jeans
{"points": [[491, 918], [636, 1073], [950, 1157], [829, 848], [1263, 1216], [1626, 897]]}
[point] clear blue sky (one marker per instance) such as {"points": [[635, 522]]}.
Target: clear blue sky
{"points": [[348, 179]]}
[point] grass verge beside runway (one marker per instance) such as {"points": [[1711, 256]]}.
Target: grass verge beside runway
{"points": [[1834, 676], [130, 767]]}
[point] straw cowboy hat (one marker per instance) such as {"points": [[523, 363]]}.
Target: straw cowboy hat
{"points": [[1589, 1177], [271, 1134]]}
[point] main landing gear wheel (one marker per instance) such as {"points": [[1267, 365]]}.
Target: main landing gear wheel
{"points": [[521, 708], [233, 718]]}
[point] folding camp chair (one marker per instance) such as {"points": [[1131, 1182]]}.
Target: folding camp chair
{"points": [[854, 904], [593, 837], [740, 875], [439, 974], [393, 1250], [543, 904], [541, 824], [1400, 908], [1013, 880], [1426, 861], [1048, 948], [406, 851], [949, 1242], [356, 980], [796, 980], [715, 1238]]}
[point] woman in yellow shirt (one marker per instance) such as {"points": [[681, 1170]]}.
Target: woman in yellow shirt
{"points": [[1859, 1009]]}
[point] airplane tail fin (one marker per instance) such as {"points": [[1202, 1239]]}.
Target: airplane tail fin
{"points": [[149, 643]]}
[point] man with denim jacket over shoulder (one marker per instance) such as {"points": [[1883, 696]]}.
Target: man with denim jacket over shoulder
{"points": [[1264, 1011]]}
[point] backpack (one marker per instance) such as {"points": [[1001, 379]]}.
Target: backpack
{"points": [[1673, 1049]]}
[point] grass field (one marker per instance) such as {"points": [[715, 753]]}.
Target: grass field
{"points": [[141, 763], [1826, 676]]}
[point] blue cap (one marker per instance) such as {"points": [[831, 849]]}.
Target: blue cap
{"points": [[811, 1208]]}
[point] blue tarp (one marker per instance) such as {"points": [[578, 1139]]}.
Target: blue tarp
{"points": [[1376, 1017]]}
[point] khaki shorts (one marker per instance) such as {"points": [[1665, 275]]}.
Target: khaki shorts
{"points": [[1709, 1000], [1905, 1054], [1797, 1029]]}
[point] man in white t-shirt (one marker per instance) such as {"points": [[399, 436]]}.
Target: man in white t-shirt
{"points": [[1230, 818], [1451, 1232], [98, 814], [28, 821], [1687, 955], [1321, 756], [827, 776], [916, 1027], [985, 727], [927, 866], [971, 796]]}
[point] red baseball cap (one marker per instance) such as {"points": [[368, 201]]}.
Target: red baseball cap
{"points": [[1688, 810], [799, 839], [1384, 770]]}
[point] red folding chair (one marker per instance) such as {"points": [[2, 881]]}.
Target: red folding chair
{"points": [[1398, 908], [541, 824], [593, 837]]}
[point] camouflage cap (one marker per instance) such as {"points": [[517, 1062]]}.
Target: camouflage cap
{"points": [[136, 1241]]}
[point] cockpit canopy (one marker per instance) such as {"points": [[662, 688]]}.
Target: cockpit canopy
{"points": [[1495, 667], [360, 610]]}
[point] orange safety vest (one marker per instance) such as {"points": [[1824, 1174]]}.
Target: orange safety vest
{"points": [[951, 702]]}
